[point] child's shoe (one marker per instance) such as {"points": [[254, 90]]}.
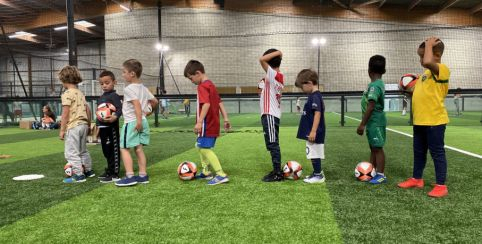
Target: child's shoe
{"points": [[314, 179], [75, 179], [142, 179], [89, 174], [378, 179], [412, 182], [127, 181], [107, 179], [273, 176], [439, 191], [203, 176], [218, 180], [103, 175]]}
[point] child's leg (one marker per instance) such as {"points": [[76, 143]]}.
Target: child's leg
{"points": [[271, 128], [373, 157], [315, 153], [141, 160], [420, 146], [204, 163], [127, 159], [436, 136], [316, 162], [84, 154], [212, 160], [72, 150], [380, 159]]}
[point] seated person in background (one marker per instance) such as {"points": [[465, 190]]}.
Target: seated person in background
{"points": [[49, 118]]}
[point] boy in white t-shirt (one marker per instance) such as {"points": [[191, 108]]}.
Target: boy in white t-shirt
{"points": [[135, 132]]}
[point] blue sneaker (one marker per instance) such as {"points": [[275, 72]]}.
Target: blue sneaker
{"points": [[218, 180], [89, 174], [75, 179], [142, 179], [378, 179], [202, 176], [127, 181]]}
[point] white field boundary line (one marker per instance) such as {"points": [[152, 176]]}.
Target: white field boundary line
{"points": [[406, 134]]}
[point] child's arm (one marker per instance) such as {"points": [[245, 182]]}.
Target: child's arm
{"points": [[316, 123], [138, 112], [366, 117], [264, 59], [224, 113], [63, 122], [428, 61], [202, 115], [89, 117]]}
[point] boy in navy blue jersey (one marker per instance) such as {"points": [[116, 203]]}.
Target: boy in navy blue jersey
{"points": [[312, 123], [109, 128]]}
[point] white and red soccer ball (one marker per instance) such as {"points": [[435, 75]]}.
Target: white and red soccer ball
{"points": [[292, 170], [187, 170], [407, 82], [104, 110], [364, 171]]}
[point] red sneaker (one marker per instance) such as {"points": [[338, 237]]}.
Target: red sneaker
{"points": [[439, 191], [412, 182]]}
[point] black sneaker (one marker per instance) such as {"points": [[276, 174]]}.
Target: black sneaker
{"points": [[273, 176], [89, 174], [107, 179], [104, 175]]}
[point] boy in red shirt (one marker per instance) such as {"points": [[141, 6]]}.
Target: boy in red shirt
{"points": [[209, 105]]}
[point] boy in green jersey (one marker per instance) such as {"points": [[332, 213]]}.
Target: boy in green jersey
{"points": [[374, 120]]}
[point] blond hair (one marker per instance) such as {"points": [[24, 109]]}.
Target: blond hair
{"points": [[70, 74]]}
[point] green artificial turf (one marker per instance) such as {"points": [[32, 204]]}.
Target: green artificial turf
{"points": [[245, 210]]}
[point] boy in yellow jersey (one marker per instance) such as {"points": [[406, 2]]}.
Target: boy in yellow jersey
{"points": [[430, 117]]}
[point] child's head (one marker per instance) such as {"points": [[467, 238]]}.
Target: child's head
{"points": [[194, 71], [132, 69], [438, 50], [70, 75], [107, 80], [307, 80], [376, 65], [46, 109], [274, 62]]}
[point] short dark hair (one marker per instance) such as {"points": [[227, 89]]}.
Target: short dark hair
{"points": [[274, 62], [306, 75], [70, 74], [377, 64], [133, 65], [107, 73], [192, 66], [439, 48]]}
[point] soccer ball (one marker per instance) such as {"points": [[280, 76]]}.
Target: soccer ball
{"points": [[104, 110], [68, 170], [407, 82], [292, 170], [187, 170], [364, 171]]}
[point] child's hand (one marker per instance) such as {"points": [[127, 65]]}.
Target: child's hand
{"points": [[432, 41], [198, 128], [61, 135], [360, 129], [139, 127], [312, 136], [227, 126]]}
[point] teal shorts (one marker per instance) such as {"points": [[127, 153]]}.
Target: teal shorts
{"points": [[130, 137], [376, 135]]}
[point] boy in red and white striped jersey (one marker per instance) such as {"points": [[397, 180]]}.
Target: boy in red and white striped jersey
{"points": [[270, 105]]}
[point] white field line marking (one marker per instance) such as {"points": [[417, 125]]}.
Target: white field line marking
{"points": [[406, 134]]}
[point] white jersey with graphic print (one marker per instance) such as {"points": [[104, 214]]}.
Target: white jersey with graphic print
{"points": [[271, 88]]}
